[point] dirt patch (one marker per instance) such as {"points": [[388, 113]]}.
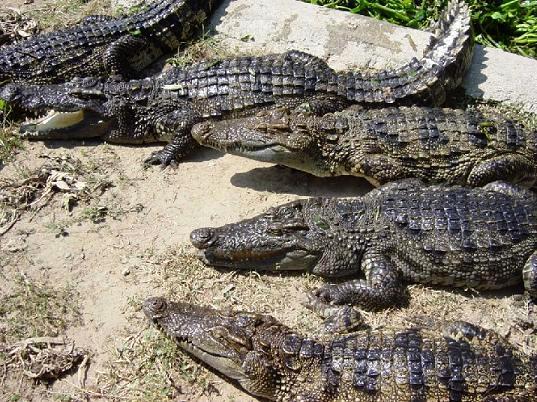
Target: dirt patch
{"points": [[16, 25]]}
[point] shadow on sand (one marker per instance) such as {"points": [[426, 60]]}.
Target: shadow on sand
{"points": [[279, 179]]}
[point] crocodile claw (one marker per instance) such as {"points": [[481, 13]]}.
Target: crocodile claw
{"points": [[329, 293], [160, 158], [337, 319]]}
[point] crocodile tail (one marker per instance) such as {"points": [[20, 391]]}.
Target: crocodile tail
{"points": [[452, 45], [441, 69]]}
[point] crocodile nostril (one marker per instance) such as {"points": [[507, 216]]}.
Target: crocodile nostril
{"points": [[154, 305], [201, 238]]}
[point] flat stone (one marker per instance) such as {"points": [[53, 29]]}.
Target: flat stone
{"points": [[503, 76], [343, 39]]}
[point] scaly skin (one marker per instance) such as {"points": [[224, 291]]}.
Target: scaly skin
{"points": [[270, 360], [482, 238], [433, 144], [165, 109], [103, 45]]}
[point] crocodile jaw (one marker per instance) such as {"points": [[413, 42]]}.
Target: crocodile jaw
{"points": [[57, 125], [191, 327], [281, 155], [293, 260], [222, 364], [256, 145]]}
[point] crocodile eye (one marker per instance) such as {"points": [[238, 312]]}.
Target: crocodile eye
{"points": [[321, 223], [487, 128], [87, 94], [275, 231], [331, 137], [155, 308]]}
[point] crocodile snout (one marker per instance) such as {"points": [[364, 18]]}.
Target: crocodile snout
{"points": [[202, 238]]}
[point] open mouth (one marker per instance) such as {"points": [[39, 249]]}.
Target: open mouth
{"points": [[56, 124]]}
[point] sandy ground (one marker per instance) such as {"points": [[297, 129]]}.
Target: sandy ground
{"points": [[117, 261], [144, 251]]}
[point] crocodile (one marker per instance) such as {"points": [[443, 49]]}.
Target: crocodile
{"points": [[436, 145], [269, 360], [483, 238], [101, 45], [165, 108]]}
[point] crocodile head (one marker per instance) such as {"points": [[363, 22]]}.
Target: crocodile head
{"points": [[228, 342], [279, 136], [80, 108], [301, 236], [59, 108]]}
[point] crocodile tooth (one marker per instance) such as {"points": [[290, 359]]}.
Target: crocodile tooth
{"points": [[57, 120]]}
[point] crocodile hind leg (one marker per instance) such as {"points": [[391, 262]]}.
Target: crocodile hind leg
{"points": [[511, 168], [337, 319], [382, 287], [116, 57], [529, 275], [513, 190], [306, 59], [502, 371], [379, 169]]}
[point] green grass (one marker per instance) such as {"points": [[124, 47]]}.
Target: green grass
{"points": [[33, 309], [54, 14], [509, 25], [148, 367], [9, 141]]}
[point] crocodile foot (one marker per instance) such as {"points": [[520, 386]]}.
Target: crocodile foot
{"points": [[337, 319], [160, 158], [330, 294]]}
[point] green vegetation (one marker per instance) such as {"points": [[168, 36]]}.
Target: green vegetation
{"points": [[56, 14], [207, 47], [148, 367], [33, 309], [507, 24], [9, 141]]}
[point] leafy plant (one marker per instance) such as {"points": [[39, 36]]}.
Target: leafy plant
{"points": [[510, 25]]}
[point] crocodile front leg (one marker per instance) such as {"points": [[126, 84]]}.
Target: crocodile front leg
{"points": [[337, 319], [95, 19], [320, 105], [382, 287], [462, 330], [176, 125], [181, 146]]}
